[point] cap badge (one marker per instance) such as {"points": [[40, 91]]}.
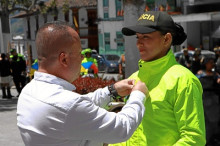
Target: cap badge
{"points": [[147, 16]]}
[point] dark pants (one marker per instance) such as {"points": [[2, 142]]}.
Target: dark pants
{"points": [[19, 82], [8, 95]]}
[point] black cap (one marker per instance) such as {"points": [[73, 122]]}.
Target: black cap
{"points": [[151, 21], [12, 50]]}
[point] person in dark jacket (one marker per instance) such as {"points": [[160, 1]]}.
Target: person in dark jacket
{"points": [[196, 61], [18, 66], [185, 59], [5, 73], [210, 81]]}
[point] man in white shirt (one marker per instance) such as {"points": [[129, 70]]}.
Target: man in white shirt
{"points": [[49, 113]]}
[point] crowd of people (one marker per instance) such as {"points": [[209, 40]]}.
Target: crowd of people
{"points": [[194, 62], [207, 70], [12, 71]]}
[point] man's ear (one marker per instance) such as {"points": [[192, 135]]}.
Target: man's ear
{"points": [[63, 59], [168, 39]]}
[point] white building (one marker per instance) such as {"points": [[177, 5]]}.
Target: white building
{"points": [[200, 20], [110, 22], [81, 16], [35, 21]]}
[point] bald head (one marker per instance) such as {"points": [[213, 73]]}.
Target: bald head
{"points": [[52, 39], [59, 51]]}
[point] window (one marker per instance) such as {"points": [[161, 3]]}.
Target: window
{"points": [[118, 6], [107, 40], [105, 8], [66, 16], [119, 40]]}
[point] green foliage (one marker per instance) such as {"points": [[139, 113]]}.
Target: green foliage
{"points": [[65, 7], [9, 6], [53, 8], [42, 7]]}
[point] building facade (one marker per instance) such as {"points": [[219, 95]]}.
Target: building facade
{"points": [[81, 15], [31, 25], [201, 20], [110, 22]]}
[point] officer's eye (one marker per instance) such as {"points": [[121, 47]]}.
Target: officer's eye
{"points": [[144, 37]]}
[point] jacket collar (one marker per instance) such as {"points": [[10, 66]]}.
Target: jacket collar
{"points": [[149, 70]]}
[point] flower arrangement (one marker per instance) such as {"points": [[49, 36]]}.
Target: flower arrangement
{"points": [[85, 85]]}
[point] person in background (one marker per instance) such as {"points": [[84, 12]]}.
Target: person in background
{"points": [[34, 67], [121, 63], [185, 59], [217, 59], [14, 53], [196, 61], [174, 110], [201, 47], [18, 68], [198, 52], [211, 92], [50, 113], [5, 76], [89, 64]]}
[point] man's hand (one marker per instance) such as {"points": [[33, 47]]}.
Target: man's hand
{"points": [[141, 87], [124, 87]]}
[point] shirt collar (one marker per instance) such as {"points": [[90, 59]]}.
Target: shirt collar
{"points": [[48, 78]]}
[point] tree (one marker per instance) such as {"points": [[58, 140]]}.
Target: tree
{"points": [[8, 7]]}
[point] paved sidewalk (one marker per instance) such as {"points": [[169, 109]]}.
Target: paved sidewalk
{"points": [[9, 133]]}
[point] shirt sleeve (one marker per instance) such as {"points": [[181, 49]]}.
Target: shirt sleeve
{"points": [[100, 97], [87, 121], [189, 115]]}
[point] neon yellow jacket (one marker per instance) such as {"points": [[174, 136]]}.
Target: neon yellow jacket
{"points": [[174, 112], [91, 59], [19, 57]]}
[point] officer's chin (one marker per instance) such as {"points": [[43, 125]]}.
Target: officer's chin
{"points": [[143, 57]]}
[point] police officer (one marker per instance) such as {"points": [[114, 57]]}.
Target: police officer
{"points": [[89, 64], [5, 76], [174, 112], [18, 67]]}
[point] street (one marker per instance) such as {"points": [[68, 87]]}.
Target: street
{"points": [[9, 133]]}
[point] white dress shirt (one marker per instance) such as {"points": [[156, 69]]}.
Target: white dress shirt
{"points": [[50, 114]]}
